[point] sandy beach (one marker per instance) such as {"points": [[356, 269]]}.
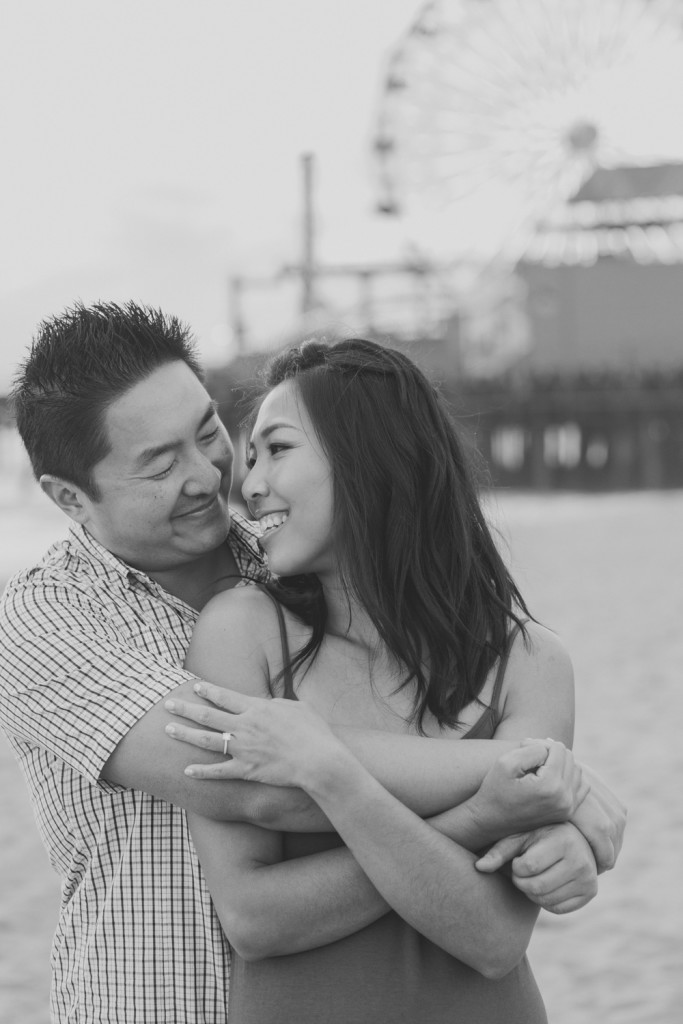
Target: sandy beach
{"points": [[604, 572]]}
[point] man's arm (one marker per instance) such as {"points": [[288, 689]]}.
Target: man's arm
{"points": [[236, 635], [428, 775], [146, 759], [73, 682], [64, 661]]}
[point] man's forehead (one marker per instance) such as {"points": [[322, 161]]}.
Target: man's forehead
{"points": [[161, 410]]}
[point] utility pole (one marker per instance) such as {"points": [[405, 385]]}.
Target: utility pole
{"points": [[309, 271], [238, 325], [308, 254]]}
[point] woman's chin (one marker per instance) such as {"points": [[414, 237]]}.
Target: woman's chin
{"points": [[284, 562], [285, 569], [280, 566]]}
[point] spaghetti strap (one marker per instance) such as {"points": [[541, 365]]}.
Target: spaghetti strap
{"points": [[287, 677], [502, 667], [487, 723]]}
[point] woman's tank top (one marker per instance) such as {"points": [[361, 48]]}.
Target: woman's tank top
{"points": [[386, 973]]}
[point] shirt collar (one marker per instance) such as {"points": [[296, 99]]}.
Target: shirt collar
{"points": [[244, 542], [242, 539]]}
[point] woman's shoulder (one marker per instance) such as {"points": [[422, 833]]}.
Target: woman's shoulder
{"points": [[247, 618], [539, 682], [248, 608], [537, 645], [237, 641], [538, 658]]}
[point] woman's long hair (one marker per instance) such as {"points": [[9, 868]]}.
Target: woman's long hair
{"points": [[412, 541]]}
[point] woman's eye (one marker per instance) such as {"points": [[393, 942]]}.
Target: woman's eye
{"points": [[272, 449], [211, 436]]}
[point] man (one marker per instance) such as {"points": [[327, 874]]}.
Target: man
{"points": [[126, 441]]}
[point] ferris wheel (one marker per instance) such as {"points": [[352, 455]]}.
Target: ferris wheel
{"points": [[495, 111]]}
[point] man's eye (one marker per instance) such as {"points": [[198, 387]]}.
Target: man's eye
{"points": [[211, 436], [163, 473]]}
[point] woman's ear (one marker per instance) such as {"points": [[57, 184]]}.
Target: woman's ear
{"points": [[68, 497]]}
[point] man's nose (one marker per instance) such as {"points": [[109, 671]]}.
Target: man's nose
{"points": [[204, 476]]}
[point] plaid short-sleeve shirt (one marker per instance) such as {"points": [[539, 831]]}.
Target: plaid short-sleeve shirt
{"points": [[87, 646]]}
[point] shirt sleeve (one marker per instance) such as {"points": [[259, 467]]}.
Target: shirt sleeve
{"points": [[72, 680]]}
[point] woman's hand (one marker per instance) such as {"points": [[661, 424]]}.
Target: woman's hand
{"points": [[280, 742], [536, 784]]}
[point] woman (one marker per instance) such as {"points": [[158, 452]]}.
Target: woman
{"points": [[394, 612]]}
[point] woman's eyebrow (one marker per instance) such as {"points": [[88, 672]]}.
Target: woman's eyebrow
{"points": [[267, 431]]}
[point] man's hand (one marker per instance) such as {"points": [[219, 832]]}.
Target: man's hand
{"points": [[553, 866], [601, 818], [536, 784]]}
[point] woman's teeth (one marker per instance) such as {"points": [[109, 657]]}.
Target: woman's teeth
{"points": [[272, 521]]}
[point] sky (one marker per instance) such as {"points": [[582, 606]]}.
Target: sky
{"points": [[152, 149]]}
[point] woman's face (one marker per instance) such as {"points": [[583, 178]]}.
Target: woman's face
{"points": [[289, 487]]}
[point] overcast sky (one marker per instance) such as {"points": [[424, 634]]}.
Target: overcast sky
{"points": [[151, 148]]}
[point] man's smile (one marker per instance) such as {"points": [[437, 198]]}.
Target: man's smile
{"points": [[198, 510]]}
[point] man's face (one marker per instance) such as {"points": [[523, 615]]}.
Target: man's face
{"points": [[163, 487]]}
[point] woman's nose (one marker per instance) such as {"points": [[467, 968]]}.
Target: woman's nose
{"points": [[254, 485]]}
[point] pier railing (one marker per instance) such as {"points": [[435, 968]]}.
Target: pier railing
{"points": [[587, 434]]}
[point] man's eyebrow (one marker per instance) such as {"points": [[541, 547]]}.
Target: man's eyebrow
{"points": [[148, 455]]}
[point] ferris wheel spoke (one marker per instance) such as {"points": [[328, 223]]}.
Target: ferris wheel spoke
{"points": [[526, 98]]}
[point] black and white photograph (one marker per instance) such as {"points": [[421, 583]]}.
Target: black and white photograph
{"points": [[341, 422]]}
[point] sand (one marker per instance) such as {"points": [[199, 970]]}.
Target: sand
{"points": [[605, 573]]}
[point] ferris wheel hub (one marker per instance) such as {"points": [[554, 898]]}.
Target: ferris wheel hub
{"points": [[582, 136]]}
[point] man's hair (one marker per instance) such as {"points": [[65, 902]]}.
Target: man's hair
{"points": [[80, 362], [413, 543]]}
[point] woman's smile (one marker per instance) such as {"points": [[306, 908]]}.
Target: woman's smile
{"points": [[289, 483], [272, 521]]}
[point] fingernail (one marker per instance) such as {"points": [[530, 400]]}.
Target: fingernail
{"points": [[171, 730], [170, 705], [190, 771], [198, 688]]}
